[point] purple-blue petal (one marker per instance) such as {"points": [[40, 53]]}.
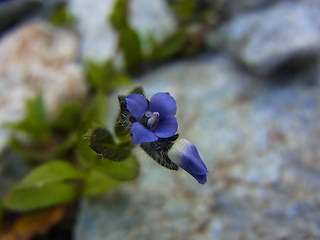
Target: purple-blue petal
{"points": [[186, 156], [193, 161], [141, 134], [163, 103], [202, 179], [166, 127], [137, 105]]}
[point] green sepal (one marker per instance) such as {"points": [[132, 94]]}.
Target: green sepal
{"points": [[123, 123], [158, 151], [137, 90]]}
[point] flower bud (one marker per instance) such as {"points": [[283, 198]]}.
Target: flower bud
{"points": [[185, 155]]}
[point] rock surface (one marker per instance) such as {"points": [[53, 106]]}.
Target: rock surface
{"points": [[151, 19], [99, 41], [267, 39], [260, 143], [37, 58], [98, 38], [232, 8]]}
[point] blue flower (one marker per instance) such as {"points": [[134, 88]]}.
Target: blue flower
{"points": [[185, 155], [154, 119]]}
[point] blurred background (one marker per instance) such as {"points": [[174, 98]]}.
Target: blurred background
{"points": [[245, 75]]}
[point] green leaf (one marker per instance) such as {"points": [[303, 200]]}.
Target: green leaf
{"points": [[68, 116], [185, 9], [62, 17], [129, 43], [85, 154], [94, 115], [104, 77], [97, 183], [102, 143], [35, 123], [118, 17], [68, 144], [27, 199], [125, 170], [51, 172], [173, 45]]}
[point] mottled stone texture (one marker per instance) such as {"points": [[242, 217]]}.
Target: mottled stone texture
{"points": [[265, 40], [37, 58], [259, 141]]}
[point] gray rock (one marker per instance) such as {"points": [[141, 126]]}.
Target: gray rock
{"points": [[232, 8], [260, 144], [266, 40], [11, 12], [37, 58], [98, 39], [152, 20], [11, 170]]}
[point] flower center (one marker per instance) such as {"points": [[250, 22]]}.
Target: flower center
{"points": [[150, 119]]}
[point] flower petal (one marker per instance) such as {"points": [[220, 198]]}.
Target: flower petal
{"points": [[137, 105], [164, 104], [193, 161], [141, 134], [166, 127], [186, 156], [202, 179]]}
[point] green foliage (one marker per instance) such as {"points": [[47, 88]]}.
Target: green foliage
{"points": [[26, 199], [129, 42], [118, 17], [35, 123], [68, 116], [97, 182], [169, 48], [101, 141], [185, 9], [51, 172], [93, 115], [45, 186], [105, 77], [124, 170], [61, 16]]}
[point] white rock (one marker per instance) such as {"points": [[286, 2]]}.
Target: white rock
{"points": [[151, 19], [99, 39], [37, 58]]}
